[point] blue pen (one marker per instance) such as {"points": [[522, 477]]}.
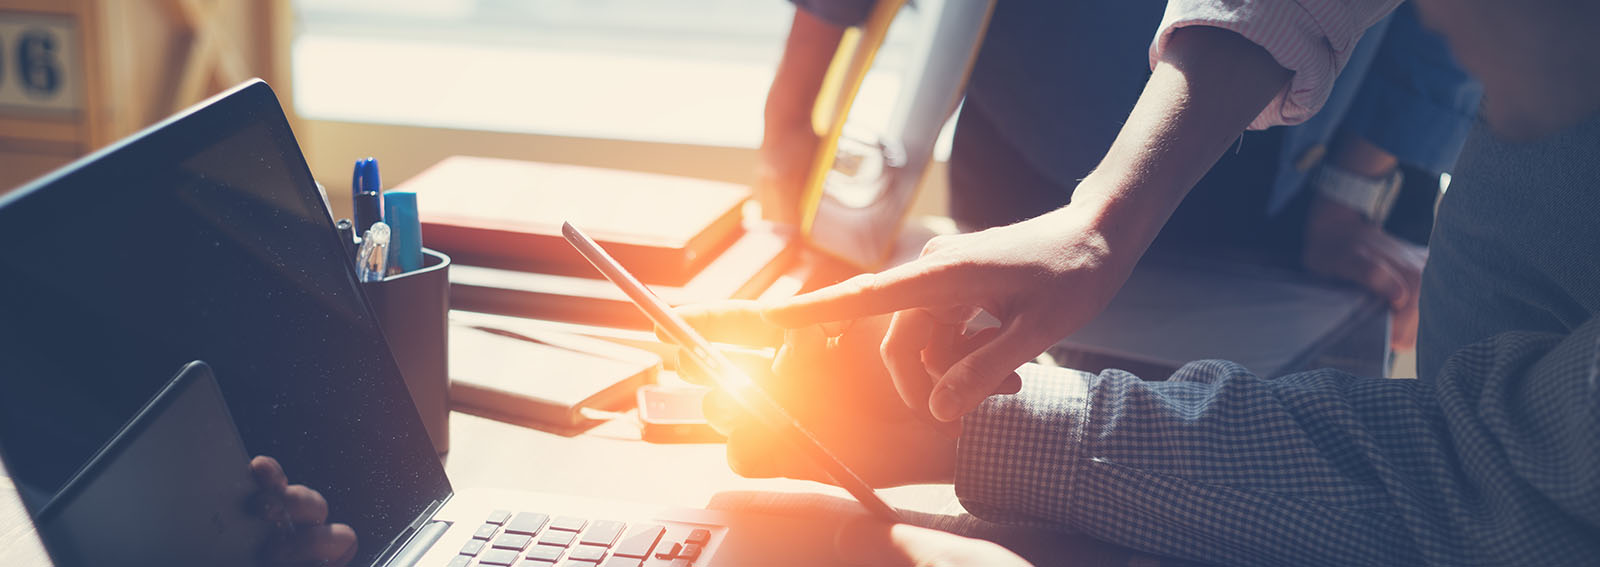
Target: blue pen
{"points": [[366, 191], [405, 239]]}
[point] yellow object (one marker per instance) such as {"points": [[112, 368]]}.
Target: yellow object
{"points": [[860, 228], [857, 48]]}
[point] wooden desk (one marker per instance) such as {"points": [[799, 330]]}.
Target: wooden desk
{"points": [[611, 461], [19, 546]]}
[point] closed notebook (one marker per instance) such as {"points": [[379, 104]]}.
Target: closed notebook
{"points": [[743, 270], [508, 214], [543, 377]]}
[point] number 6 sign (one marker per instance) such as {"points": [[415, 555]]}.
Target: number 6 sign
{"points": [[39, 63]]}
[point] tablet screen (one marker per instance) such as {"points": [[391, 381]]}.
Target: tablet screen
{"points": [[727, 376]]}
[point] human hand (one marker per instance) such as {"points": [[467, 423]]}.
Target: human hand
{"points": [[1342, 244], [836, 387], [1042, 278], [873, 542], [303, 535], [783, 166]]}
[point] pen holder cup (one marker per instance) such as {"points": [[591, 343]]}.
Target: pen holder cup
{"points": [[414, 310]]}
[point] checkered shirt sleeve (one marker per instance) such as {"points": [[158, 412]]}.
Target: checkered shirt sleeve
{"points": [[1497, 462]]}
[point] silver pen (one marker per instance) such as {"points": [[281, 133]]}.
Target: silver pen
{"points": [[372, 261]]}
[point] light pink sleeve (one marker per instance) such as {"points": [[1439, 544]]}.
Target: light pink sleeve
{"points": [[1312, 38]]}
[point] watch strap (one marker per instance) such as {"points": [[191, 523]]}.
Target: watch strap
{"points": [[1372, 197]]}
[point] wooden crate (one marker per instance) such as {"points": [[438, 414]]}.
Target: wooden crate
{"points": [[76, 75]]}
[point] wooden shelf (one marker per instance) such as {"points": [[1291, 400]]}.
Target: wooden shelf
{"points": [[80, 74]]}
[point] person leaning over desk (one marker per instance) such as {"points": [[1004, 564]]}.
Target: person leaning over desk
{"points": [[1491, 457], [1053, 82]]}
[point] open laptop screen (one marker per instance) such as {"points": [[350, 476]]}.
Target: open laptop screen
{"points": [[203, 239]]}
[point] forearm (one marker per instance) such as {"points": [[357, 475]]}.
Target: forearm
{"points": [[806, 55], [1335, 210], [1214, 465], [1494, 463], [1207, 87], [1415, 102], [1359, 156]]}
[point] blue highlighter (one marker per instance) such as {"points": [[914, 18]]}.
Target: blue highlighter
{"points": [[405, 244]]}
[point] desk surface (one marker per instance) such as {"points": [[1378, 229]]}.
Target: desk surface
{"points": [[608, 461], [611, 461]]}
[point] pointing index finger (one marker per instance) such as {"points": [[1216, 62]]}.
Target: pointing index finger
{"points": [[913, 284], [736, 322]]}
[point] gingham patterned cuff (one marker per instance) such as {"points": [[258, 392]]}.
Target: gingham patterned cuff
{"points": [[1018, 455]]}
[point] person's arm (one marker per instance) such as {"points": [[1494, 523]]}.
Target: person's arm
{"points": [[1345, 238], [1208, 85], [1297, 49], [1416, 102], [1414, 106], [1497, 462], [1219, 65], [788, 143], [807, 52], [1312, 38]]}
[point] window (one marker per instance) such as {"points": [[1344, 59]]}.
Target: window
{"points": [[679, 71]]}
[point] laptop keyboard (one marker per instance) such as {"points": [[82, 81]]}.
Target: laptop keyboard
{"points": [[531, 539]]}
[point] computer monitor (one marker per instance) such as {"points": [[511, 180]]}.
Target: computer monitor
{"points": [[203, 238]]}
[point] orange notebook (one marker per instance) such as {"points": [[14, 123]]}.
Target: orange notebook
{"points": [[508, 214], [744, 270]]}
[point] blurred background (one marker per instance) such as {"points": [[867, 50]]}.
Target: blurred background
{"points": [[669, 87], [666, 87]]}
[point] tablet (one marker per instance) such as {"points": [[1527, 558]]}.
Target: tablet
{"points": [[173, 487], [730, 378]]}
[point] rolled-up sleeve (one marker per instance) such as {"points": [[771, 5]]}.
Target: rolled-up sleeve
{"points": [[1311, 38], [1416, 102]]}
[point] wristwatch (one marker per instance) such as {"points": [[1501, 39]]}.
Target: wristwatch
{"points": [[1372, 197]]}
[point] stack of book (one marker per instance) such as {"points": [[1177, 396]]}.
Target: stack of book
{"points": [[688, 239]]}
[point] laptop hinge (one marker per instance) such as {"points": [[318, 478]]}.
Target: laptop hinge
{"points": [[412, 543]]}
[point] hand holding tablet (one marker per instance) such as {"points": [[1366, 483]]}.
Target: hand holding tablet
{"points": [[729, 378]]}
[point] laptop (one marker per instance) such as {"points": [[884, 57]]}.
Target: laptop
{"points": [[204, 238]]}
